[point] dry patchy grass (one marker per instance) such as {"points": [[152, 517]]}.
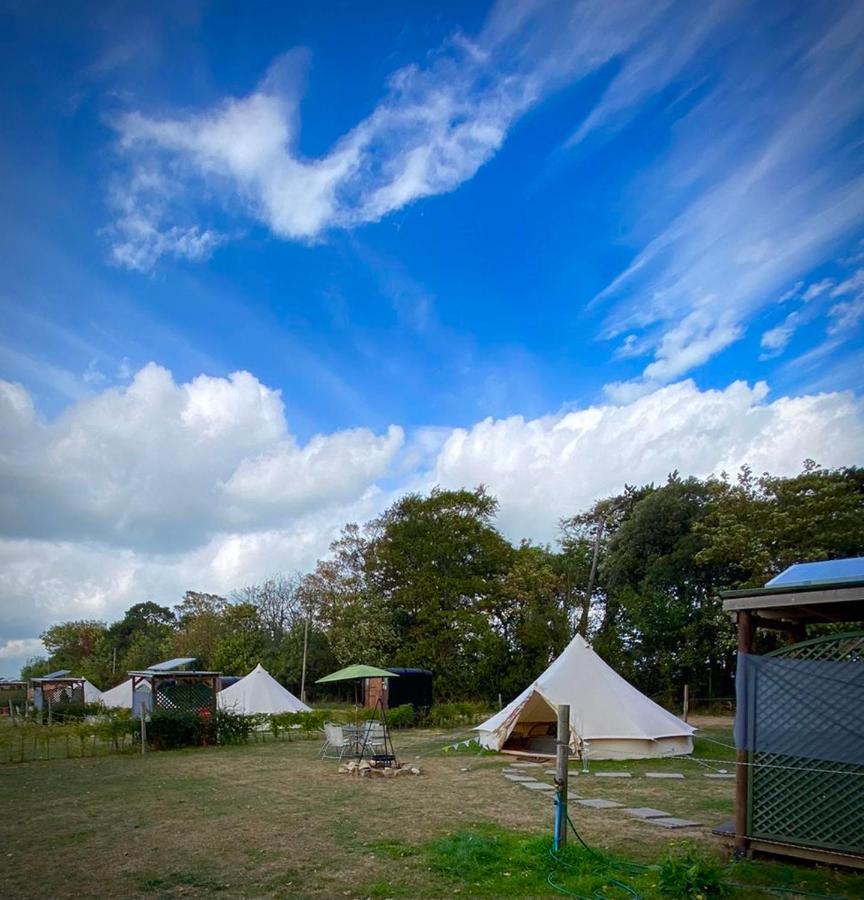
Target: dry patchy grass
{"points": [[272, 820]]}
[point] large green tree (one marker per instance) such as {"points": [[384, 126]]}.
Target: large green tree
{"points": [[755, 527], [438, 563]]}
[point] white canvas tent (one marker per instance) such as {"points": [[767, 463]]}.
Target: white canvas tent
{"points": [[119, 697], [92, 694], [259, 692], [616, 720]]}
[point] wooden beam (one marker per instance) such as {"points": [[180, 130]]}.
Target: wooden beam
{"points": [[742, 770], [794, 598]]}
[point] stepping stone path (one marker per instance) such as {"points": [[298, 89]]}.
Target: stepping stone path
{"points": [[672, 822], [600, 804], [646, 812], [537, 785], [663, 775], [612, 775], [719, 775], [525, 765], [520, 779]]}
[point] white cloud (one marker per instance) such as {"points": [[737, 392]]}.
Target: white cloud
{"points": [[434, 127], [546, 468], [142, 492], [761, 185], [23, 649], [156, 465]]}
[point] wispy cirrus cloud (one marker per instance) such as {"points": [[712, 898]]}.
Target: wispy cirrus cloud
{"points": [[434, 127], [762, 184]]}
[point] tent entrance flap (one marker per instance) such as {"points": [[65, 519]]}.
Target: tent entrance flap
{"points": [[534, 730]]}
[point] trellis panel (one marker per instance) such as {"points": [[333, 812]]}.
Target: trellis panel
{"points": [[797, 799]]}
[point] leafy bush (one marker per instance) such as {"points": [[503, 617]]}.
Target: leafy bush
{"points": [[452, 715], [401, 716], [170, 729], [233, 728], [691, 875]]}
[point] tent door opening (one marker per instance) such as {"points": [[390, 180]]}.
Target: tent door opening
{"points": [[535, 728]]}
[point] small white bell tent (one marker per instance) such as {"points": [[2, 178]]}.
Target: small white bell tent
{"points": [[119, 697], [259, 692], [606, 712]]}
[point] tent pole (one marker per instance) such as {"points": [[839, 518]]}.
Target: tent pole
{"points": [[563, 754]]}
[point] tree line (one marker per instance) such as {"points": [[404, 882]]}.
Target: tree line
{"points": [[431, 582]]}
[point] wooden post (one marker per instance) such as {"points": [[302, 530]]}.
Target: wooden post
{"points": [[686, 710], [562, 756], [143, 730], [742, 769]]}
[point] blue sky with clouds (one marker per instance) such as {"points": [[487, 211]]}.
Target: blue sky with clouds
{"points": [[440, 244]]}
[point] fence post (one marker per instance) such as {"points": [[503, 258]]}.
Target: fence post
{"points": [[562, 756]]}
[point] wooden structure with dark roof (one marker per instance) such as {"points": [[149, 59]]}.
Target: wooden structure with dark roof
{"points": [[795, 805], [171, 685]]}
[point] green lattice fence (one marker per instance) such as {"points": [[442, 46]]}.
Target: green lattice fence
{"points": [[799, 800], [184, 695]]}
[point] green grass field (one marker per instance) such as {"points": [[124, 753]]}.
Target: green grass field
{"points": [[272, 820]]}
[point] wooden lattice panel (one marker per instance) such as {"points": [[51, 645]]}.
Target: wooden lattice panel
{"points": [[798, 799]]}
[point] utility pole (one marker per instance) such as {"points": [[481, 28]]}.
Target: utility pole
{"points": [[305, 647]]}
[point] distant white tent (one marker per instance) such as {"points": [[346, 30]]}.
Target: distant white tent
{"points": [[119, 697], [259, 692], [92, 694], [616, 720]]}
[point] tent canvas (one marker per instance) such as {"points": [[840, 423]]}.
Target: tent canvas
{"points": [[607, 713], [119, 697], [92, 694], [259, 692]]}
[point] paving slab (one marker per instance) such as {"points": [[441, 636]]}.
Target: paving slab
{"points": [[537, 786], [573, 797], [519, 778], [525, 765], [613, 775], [646, 812], [669, 775], [672, 822], [600, 804], [718, 775]]}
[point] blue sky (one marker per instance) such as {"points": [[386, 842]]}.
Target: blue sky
{"points": [[429, 234]]}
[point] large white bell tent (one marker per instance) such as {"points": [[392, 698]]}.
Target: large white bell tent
{"points": [[607, 714], [259, 692], [119, 697]]}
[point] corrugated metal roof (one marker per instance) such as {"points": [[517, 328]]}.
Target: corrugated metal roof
{"points": [[171, 664], [827, 572], [60, 673]]}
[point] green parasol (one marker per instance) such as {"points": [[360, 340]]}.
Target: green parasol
{"points": [[352, 673]]}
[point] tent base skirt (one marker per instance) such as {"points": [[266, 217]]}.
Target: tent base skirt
{"points": [[604, 748]]}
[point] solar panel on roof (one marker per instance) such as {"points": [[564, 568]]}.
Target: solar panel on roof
{"points": [[60, 673], [825, 572], [171, 664]]}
